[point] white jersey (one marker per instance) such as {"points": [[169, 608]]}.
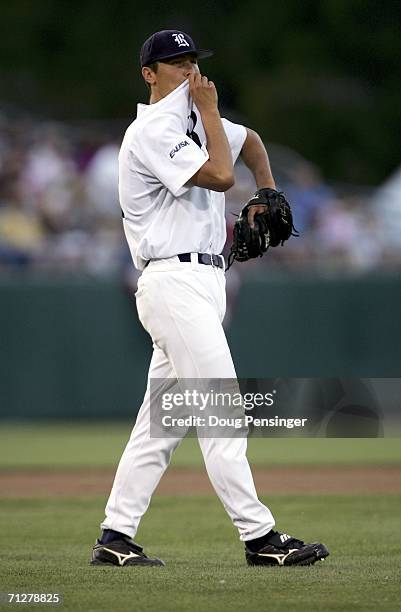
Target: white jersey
{"points": [[163, 214]]}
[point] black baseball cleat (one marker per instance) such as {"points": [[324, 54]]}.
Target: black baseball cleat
{"points": [[282, 549], [122, 552]]}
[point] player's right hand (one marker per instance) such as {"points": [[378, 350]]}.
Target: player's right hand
{"points": [[203, 92]]}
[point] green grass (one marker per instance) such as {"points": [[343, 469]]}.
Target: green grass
{"points": [[75, 445], [45, 544]]}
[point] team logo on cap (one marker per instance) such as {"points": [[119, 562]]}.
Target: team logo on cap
{"points": [[180, 40]]}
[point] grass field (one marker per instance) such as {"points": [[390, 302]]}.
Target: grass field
{"points": [[70, 445], [45, 543], [46, 547]]}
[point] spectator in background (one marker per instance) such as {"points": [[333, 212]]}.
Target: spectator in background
{"points": [[385, 205], [102, 182], [21, 232], [345, 235], [307, 193]]}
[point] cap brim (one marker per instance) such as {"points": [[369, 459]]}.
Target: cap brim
{"points": [[203, 53]]}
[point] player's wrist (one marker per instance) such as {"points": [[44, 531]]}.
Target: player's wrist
{"points": [[264, 181], [211, 112]]}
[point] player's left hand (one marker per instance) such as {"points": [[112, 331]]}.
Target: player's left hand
{"points": [[265, 221]]}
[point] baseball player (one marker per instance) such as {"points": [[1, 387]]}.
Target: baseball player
{"points": [[175, 163]]}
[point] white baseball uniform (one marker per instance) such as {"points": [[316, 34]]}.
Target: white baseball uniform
{"points": [[180, 304]]}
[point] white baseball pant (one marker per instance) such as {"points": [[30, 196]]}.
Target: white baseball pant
{"points": [[182, 305]]}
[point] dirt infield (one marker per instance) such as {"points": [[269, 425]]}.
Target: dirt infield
{"points": [[184, 481]]}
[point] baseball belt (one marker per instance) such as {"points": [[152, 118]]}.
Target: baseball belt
{"points": [[204, 258]]}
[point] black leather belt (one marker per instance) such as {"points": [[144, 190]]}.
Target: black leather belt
{"points": [[204, 258]]}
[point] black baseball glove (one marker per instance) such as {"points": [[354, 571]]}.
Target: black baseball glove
{"points": [[272, 227]]}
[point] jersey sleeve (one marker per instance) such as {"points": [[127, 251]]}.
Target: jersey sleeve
{"points": [[169, 154], [236, 135]]}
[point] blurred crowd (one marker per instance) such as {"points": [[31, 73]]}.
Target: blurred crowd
{"points": [[59, 209]]}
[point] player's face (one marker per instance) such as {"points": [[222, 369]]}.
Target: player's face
{"points": [[171, 73]]}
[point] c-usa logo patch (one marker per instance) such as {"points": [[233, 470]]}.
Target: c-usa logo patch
{"points": [[178, 147]]}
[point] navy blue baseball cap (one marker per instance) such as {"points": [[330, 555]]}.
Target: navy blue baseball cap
{"points": [[167, 44]]}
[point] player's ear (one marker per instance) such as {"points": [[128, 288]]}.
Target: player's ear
{"points": [[149, 75]]}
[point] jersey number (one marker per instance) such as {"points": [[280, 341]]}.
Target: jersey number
{"points": [[192, 121]]}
